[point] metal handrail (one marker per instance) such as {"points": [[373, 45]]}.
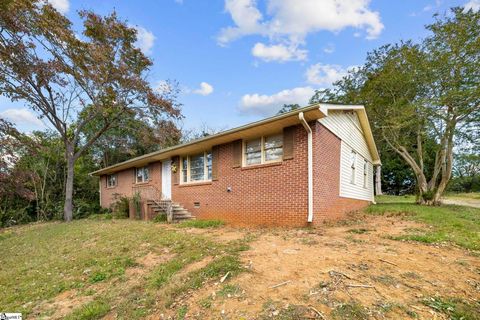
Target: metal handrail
{"points": [[151, 193]]}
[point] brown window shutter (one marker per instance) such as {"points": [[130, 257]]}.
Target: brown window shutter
{"points": [[288, 137], [134, 174], [176, 175], [237, 153], [150, 169], [215, 156]]}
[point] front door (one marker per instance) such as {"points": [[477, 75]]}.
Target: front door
{"points": [[166, 179]]}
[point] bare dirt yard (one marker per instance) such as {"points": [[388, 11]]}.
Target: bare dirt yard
{"points": [[396, 260], [350, 271]]}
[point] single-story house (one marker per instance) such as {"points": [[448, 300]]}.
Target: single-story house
{"points": [[293, 169]]}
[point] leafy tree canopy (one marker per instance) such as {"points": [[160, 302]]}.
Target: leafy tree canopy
{"points": [[421, 98], [83, 85]]}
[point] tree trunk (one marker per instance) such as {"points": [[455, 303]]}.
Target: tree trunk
{"points": [[378, 180], [68, 208]]}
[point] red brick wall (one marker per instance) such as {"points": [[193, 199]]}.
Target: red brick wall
{"points": [[273, 194], [126, 185], [327, 204]]}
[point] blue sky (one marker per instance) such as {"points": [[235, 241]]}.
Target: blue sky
{"points": [[240, 60]]}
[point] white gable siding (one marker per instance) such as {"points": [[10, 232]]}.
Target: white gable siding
{"points": [[346, 126]]}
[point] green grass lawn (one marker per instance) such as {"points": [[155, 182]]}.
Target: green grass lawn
{"points": [[42, 260], [450, 223]]}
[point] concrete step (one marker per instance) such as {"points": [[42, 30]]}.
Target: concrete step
{"points": [[179, 212], [186, 214], [182, 218]]}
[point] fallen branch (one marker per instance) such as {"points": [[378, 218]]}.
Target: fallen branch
{"points": [[418, 308], [342, 274], [386, 261], [280, 284], [359, 286], [410, 286], [224, 277], [317, 312]]}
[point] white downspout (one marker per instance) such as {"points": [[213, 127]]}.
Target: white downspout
{"points": [[310, 166]]}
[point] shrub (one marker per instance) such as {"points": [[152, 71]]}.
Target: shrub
{"points": [[120, 208], [161, 217], [84, 208]]}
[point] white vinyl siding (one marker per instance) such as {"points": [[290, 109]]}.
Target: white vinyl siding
{"points": [[347, 127], [354, 187]]}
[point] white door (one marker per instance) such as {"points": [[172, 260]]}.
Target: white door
{"points": [[166, 179]]}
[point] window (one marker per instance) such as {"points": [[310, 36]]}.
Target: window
{"points": [[111, 180], [253, 152], [209, 166], [273, 147], [264, 150], [365, 173], [197, 167], [142, 174], [184, 169], [353, 160]]}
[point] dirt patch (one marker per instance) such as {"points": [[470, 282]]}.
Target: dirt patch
{"points": [[224, 234], [62, 304], [475, 203], [339, 266]]}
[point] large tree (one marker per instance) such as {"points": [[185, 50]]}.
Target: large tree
{"points": [[422, 97], [72, 79]]}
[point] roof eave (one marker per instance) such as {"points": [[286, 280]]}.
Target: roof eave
{"points": [[311, 113]]}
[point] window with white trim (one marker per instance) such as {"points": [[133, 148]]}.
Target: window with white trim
{"points": [[197, 167], [184, 169], [141, 174], [111, 180], [265, 149], [353, 161], [365, 173]]}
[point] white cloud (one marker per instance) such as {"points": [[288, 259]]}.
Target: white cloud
{"points": [[204, 90], [329, 48], [246, 17], [325, 74], [428, 8], [21, 116], [145, 40], [290, 21], [62, 6], [472, 4], [278, 52], [265, 105]]}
